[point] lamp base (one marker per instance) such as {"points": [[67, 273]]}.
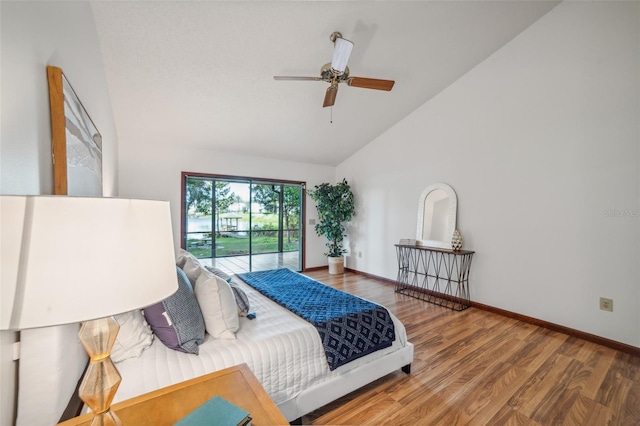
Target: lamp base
{"points": [[101, 381], [106, 419]]}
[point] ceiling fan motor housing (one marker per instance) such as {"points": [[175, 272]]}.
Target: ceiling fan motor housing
{"points": [[328, 74]]}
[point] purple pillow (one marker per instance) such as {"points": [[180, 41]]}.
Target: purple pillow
{"points": [[177, 320]]}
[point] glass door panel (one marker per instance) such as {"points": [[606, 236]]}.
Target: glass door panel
{"points": [[292, 224], [198, 238], [276, 228], [265, 218], [232, 219]]}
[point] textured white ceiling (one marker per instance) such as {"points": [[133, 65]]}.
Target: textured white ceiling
{"points": [[200, 73]]}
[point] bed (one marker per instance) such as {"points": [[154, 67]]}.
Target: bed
{"points": [[283, 351]]}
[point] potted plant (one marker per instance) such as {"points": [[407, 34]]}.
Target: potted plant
{"points": [[335, 206]]}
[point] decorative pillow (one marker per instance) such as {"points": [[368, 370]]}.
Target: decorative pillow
{"points": [[242, 301], [241, 298], [218, 273], [134, 336], [181, 257], [177, 320], [192, 269], [218, 306]]}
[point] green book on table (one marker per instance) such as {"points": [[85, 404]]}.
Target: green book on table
{"points": [[216, 412]]}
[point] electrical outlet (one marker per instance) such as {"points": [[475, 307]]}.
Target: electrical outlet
{"points": [[606, 304]]}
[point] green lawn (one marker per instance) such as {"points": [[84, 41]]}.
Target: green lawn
{"points": [[265, 239], [231, 246]]}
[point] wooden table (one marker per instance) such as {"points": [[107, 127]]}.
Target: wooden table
{"points": [[168, 405]]}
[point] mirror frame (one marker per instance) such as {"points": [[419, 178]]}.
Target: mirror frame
{"points": [[452, 213]]}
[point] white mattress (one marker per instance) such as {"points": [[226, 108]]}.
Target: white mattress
{"points": [[283, 351]]}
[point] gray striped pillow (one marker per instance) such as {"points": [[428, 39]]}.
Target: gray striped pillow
{"points": [[241, 298], [177, 320], [219, 273]]}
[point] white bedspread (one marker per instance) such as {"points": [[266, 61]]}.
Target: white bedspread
{"points": [[283, 351]]}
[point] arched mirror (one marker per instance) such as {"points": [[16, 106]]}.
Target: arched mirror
{"points": [[437, 216]]}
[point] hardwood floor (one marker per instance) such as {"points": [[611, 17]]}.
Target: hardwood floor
{"points": [[478, 368]]}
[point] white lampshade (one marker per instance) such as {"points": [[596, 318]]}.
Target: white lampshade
{"points": [[341, 52], [71, 259]]}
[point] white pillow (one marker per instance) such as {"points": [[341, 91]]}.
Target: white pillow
{"points": [[218, 306], [181, 257], [134, 336], [193, 269]]}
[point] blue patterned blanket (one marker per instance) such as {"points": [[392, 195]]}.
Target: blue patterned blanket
{"points": [[349, 327]]}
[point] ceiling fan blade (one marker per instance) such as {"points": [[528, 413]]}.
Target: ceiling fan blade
{"points": [[330, 96], [294, 78], [370, 83]]}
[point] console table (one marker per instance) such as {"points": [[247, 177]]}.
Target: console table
{"points": [[434, 275]]}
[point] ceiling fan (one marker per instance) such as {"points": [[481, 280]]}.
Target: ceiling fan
{"points": [[337, 72]]}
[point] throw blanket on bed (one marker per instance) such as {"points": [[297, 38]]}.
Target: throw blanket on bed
{"points": [[349, 327]]}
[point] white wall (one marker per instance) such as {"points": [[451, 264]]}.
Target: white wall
{"points": [[541, 144], [150, 171], [34, 35]]}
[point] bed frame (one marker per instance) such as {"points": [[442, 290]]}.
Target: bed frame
{"points": [[41, 381], [317, 396], [305, 402]]}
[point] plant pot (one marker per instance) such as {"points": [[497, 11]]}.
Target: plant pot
{"points": [[336, 265]]}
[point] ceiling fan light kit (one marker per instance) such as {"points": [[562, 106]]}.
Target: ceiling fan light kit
{"points": [[337, 72], [341, 52]]}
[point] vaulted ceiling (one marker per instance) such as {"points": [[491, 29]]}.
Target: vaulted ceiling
{"points": [[200, 73]]}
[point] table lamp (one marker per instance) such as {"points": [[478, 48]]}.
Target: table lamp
{"points": [[81, 259]]}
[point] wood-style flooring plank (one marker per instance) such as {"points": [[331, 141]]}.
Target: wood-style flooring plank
{"points": [[478, 368]]}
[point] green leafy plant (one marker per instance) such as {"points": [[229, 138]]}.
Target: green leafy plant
{"points": [[335, 206]]}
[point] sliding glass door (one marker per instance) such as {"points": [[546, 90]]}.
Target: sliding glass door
{"points": [[243, 224]]}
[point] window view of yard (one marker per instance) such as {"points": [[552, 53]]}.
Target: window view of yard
{"points": [[235, 218]]}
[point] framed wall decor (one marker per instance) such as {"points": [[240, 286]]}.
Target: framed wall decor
{"points": [[76, 142]]}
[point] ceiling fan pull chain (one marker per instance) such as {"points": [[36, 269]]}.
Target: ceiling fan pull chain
{"points": [[331, 115]]}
